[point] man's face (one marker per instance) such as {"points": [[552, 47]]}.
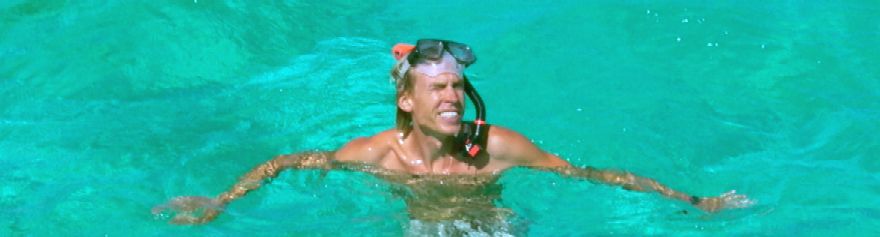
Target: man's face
{"points": [[436, 103]]}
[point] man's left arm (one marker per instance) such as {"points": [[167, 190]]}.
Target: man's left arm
{"points": [[630, 181], [522, 152]]}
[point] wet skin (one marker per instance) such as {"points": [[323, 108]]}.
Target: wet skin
{"points": [[441, 183], [431, 197]]}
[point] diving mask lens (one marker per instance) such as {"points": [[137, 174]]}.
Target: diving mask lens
{"points": [[430, 49], [433, 57], [461, 52]]}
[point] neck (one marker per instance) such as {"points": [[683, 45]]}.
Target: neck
{"points": [[431, 149]]}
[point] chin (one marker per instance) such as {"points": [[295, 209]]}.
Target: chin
{"points": [[450, 130]]}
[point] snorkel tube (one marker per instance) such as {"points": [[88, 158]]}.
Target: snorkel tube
{"points": [[472, 136]]}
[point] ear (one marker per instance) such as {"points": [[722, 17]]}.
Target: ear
{"points": [[405, 103]]}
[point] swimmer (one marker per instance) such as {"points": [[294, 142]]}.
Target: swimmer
{"points": [[449, 166]]}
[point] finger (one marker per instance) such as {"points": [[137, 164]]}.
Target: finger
{"points": [[742, 203], [179, 202], [158, 209], [734, 197], [729, 193], [190, 200], [748, 203], [184, 219]]}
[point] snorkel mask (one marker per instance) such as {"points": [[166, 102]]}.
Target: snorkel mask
{"points": [[433, 57]]}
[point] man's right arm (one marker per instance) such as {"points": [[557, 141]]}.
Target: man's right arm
{"points": [[270, 169], [197, 210], [358, 150]]}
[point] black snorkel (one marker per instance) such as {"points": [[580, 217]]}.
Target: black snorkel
{"points": [[472, 135]]}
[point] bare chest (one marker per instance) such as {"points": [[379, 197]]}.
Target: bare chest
{"points": [[443, 166]]}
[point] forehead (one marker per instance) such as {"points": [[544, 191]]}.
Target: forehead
{"points": [[442, 78]]}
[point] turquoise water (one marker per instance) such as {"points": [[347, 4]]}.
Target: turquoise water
{"points": [[107, 109]]}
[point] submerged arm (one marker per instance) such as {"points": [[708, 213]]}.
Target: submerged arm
{"points": [[626, 180], [516, 150], [358, 155], [197, 210], [633, 182], [270, 169]]}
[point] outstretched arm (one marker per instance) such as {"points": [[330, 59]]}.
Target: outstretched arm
{"points": [[633, 182], [197, 210], [270, 169], [518, 151]]}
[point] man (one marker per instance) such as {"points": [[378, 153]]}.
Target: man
{"points": [[432, 149]]}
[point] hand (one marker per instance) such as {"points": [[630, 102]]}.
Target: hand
{"points": [[189, 210], [728, 200]]}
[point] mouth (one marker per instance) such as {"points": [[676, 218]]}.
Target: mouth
{"points": [[452, 117]]}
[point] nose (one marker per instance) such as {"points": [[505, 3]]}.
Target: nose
{"points": [[449, 94]]}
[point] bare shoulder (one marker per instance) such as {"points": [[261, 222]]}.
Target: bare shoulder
{"points": [[504, 143], [508, 145], [367, 149]]}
